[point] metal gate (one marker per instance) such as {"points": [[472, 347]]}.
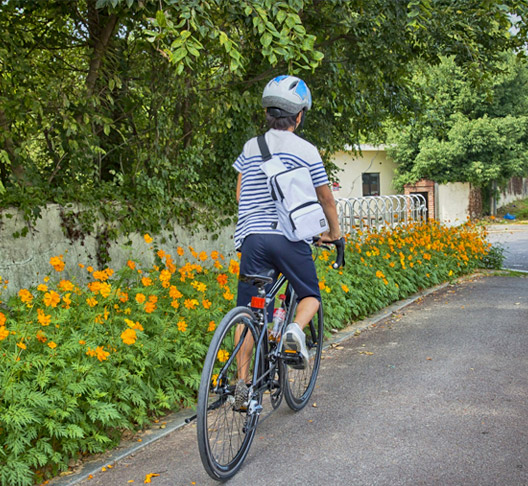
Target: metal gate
{"points": [[377, 212]]}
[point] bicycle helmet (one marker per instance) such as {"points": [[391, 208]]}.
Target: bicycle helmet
{"points": [[288, 95]]}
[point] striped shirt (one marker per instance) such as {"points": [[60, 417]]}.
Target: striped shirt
{"points": [[256, 209]]}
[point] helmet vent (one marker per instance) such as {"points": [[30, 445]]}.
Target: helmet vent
{"points": [[294, 84]]}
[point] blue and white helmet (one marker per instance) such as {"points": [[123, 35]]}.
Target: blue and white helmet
{"points": [[288, 93]]}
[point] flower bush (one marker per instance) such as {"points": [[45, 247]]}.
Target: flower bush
{"points": [[79, 364], [389, 265]]}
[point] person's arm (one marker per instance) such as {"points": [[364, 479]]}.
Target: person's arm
{"points": [[239, 185], [326, 198]]}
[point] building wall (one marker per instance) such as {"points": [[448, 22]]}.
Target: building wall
{"points": [[517, 188], [371, 159], [24, 261], [453, 202]]}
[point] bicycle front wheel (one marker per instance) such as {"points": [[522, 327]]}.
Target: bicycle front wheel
{"points": [[298, 384], [225, 424]]}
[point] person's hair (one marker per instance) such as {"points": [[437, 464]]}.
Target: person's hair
{"points": [[282, 123]]}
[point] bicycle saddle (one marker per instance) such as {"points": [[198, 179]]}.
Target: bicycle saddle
{"points": [[259, 280]]}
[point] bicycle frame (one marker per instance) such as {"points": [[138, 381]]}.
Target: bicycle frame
{"points": [[262, 350]]}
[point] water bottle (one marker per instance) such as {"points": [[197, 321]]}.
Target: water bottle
{"points": [[279, 314]]}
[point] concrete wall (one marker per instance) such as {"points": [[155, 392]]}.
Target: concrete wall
{"points": [[372, 159], [24, 261], [517, 188], [453, 203]]}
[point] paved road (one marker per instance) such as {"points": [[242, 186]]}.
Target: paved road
{"points": [[433, 396], [514, 238]]}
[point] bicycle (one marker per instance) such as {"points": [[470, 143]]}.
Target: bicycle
{"points": [[227, 412]]}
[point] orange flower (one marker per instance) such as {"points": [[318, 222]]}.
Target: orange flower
{"points": [[3, 333], [147, 282], [52, 345], [131, 264], [180, 251], [91, 302], [175, 304], [161, 253], [212, 326], [202, 256], [182, 326], [206, 303], [101, 353], [165, 276], [345, 288], [51, 299], [21, 345], [43, 318], [25, 296], [66, 286], [106, 288], [190, 303], [95, 287], [134, 325], [42, 288], [234, 267], [2, 319], [41, 336], [82, 342], [228, 295], [222, 356], [147, 238], [140, 298], [214, 255], [222, 279], [57, 263], [150, 307], [129, 336], [174, 293]]}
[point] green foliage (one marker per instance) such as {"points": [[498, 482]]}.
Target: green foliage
{"points": [[466, 133], [494, 258], [383, 267], [138, 109]]}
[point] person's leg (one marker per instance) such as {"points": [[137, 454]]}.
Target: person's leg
{"points": [[253, 262], [306, 309]]}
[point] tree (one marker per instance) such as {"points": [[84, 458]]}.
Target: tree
{"points": [[466, 133], [147, 102]]}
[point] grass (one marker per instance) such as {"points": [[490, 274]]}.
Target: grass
{"points": [[518, 208]]}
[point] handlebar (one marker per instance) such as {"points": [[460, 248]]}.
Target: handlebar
{"points": [[340, 247]]}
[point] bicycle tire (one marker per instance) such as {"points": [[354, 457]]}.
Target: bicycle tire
{"points": [[224, 433], [298, 385]]}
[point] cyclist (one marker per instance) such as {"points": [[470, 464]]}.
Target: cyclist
{"points": [[286, 100]]}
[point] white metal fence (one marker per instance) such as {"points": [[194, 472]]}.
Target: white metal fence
{"points": [[360, 213]]}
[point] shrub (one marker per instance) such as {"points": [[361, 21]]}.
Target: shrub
{"points": [[80, 364]]}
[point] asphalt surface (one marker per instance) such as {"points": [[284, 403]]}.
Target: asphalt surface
{"points": [[514, 239], [434, 394]]}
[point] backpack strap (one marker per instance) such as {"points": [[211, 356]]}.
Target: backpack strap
{"points": [[264, 150]]}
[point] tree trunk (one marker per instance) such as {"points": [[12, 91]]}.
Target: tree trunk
{"points": [[100, 35], [9, 146]]}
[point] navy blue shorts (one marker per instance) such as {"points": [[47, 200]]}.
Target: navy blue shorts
{"points": [[264, 252]]}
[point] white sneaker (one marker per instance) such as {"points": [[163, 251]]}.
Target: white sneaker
{"points": [[295, 340]]}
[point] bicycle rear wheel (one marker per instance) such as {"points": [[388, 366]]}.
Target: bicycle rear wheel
{"points": [[298, 384], [225, 428]]}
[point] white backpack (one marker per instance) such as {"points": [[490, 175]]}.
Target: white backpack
{"points": [[301, 216]]}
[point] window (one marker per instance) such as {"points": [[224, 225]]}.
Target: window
{"points": [[371, 183]]}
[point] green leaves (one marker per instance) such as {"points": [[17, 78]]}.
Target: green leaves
{"points": [[466, 132]]}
